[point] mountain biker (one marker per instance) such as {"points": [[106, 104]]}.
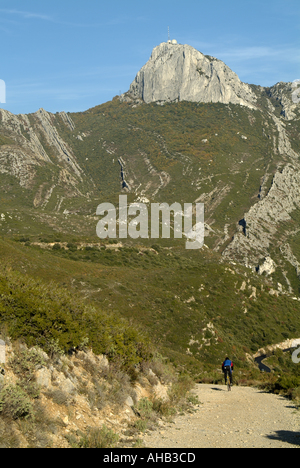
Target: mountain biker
{"points": [[227, 369]]}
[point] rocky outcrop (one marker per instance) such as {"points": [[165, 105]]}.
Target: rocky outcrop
{"points": [[63, 152], [287, 95], [66, 396], [284, 147], [268, 267], [259, 227], [33, 141], [67, 120], [178, 72], [22, 132], [287, 344]]}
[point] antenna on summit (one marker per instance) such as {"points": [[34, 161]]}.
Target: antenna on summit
{"points": [[169, 40]]}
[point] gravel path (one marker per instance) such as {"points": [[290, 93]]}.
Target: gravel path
{"points": [[243, 418]]}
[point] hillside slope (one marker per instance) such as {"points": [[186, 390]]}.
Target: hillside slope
{"points": [[241, 161]]}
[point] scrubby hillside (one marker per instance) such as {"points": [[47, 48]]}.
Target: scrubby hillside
{"points": [[82, 400], [193, 309], [56, 387]]}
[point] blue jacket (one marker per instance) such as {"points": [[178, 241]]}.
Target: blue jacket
{"points": [[226, 363]]}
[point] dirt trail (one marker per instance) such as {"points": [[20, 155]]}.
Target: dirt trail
{"points": [[243, 418]]}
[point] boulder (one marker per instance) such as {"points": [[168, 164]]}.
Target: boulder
{"points": [[43, 377]]}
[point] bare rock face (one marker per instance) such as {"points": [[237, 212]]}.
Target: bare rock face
{"points": [[268, 267], [260, 224], [35, 142], [178, 72], [288, 94]]}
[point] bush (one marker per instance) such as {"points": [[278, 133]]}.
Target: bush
{"points": [[59, 397], [15, 403], [140, 425], [24, 239], [24, 364], [99, 438], [26, 361], [295, 394], [144, 408], [286, 383], [179, 390], [164, 407], [51, 317]]}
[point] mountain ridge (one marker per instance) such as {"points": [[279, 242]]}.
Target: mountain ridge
{"points": [[239, 155]]}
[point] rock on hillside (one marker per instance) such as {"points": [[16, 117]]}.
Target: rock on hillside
{"points": [[288, 96], [259, 228], [65, 397], [178, 72]]}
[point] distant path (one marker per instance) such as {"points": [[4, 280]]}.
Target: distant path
{"points": [[262, 366], [243, 418], [265, 368]]}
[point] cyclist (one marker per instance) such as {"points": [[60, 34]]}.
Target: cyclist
{"points": [[227, 368]]}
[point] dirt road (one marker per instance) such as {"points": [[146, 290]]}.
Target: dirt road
{"points": [[243, 418]]}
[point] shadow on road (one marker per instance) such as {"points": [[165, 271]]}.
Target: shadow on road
{"points": [[286, 436], [218, 389]]}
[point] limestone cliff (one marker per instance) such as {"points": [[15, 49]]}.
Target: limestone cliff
{"points": [[178, 72], [259, 227], [33, 142]]}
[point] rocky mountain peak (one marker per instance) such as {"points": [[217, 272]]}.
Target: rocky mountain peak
{"points": [[177, 72]]}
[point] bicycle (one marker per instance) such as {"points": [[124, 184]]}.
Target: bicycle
{"points": [[228, 380]]}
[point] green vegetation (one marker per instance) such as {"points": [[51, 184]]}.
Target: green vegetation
{"points": [[40, 314], [15, 403], [284, 378], [192, 309], [98, 438], [62, 288]]}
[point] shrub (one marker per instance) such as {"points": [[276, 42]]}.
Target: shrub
{"points": [[286, 383], [144, 408], [15, 403], [99, 438], [26, 361], [180, 388], [24, 364], [164, 407], [295, 394], [53, 348], [140, 425], [59, 397], [52, 318]]}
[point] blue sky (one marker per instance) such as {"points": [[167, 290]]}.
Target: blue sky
{"points": [[73, 55]]}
